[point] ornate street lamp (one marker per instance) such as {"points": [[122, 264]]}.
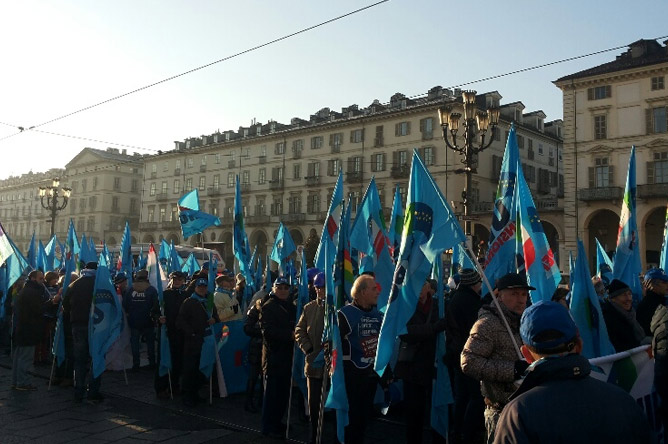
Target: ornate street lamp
{"points": [[476, 124], [49, 198]]}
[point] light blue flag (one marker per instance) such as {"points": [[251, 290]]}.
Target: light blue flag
{"points": [[32, 252], [175, 261], [541, 269], [207, 359], [58, 347], [269, 281], [85, 249], [663, 261], [91, 247], [50, 250], [104, 325], [441, 394], [124, 263], [240, 244], [603, 264], [14, 265], [430, 227], [72, 242], [141, 259], [626, 266], [500, 258], [156, 277], [163, 254], [42, 259], [252, 266], [460, 259], [586, 311], [337, 398], [194, 221], [284, 246], [258, 273], [190, 266], [330, 230], [105, 252], [343, 267], [299, 357], [396, 224], [571, 269]]}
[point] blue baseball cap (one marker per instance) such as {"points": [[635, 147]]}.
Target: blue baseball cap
{"points": [[311, 273], [201, 281], [543, 316], [319, 280], [281, 281], [656, 273]]}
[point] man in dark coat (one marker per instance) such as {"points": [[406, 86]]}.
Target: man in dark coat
{"points": [[193, 319], [138, 304], [659, 329], [558, 401], [415, 363], [253, 330], [656, 283], [277, 320], [28, 328], [76, 306], [619, 315], [461, 314]]}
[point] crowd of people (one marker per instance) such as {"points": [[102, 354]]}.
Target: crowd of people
{"points": [[515, 369]]}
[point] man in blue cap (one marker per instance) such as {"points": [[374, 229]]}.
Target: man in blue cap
{"points": [[656, 287], [558, 401]]}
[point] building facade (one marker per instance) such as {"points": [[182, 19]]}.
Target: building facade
{"points": [[287, 172], [607, 109]]}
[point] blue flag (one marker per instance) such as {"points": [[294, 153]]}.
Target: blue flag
{"points": [[268, 280], [104, 325], [396, 224], [175, 261], [299, 357], [663, 261], [72, 243], [124, 263], [330, 230], [58, 348], [626, 266], [42, 259], [603, 264], [430, 227], [14, 264], [207, 359], [460, 259], [500, 258], [50, 251], [441, 394], [284, 246], [156, 277], [541, 269], [32, 252], [258, 274], [343, 267], [141, 259], [163, 253], [194, 221], [586, 311], [240, 243]]}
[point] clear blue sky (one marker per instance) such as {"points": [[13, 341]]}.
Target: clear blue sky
{"points": [[58, 57]]}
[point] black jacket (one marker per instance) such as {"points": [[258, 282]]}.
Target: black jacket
{"points": [[415, 362], [173, 298], [460, 316], [558, 402], [77, 300], [620, 331], [29, 306], [659, 328], [193, 321], [277, 321], [253, 330], [646, 309]]}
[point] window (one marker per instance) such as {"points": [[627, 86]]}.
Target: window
{"points": [[316, 142], [599, 92], [297, 145], [335, 141], [600, 176], [657, 120], [428, 155], [402, 157], [114, 203], [378, 140], [262, 176], [277, 206], [84, 183], [520, 141], [263, 151], [163, 190], [313, 169], [551, 152], [354, 200], [529, 173], [280, 148], [217, 158], [230, 180], [313, 203], [133, 205], [177, 164], [163, 214], [189, 162], [216, 181], [540, 149], [92, 202], [657, 171], [277, 175], [600, 127], [402, 129], [297, 171], [80, 225], [530, 142], [295, 204], [189, 184], [165, 165], [152, 190], [95, 183], [333, 167], [154, 169], [427, 128], [378, 162], [117, 183], [82, 205], [90, 225], [202, 183], [177, 186], [357, 136], [135, 185], [245, 177], [203, 160], [259, 206], [657, 83]]}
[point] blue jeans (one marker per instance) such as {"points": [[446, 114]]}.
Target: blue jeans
{"points": [[82, 363], [135, 337]]}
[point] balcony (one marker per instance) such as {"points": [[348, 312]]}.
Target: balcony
{"points": [[653, 190], [399, 172], [148, 226], [296, 153], [294, 218], [245, 187], [177, 172], [202, 168], [170, 224], [258, 219], [336, 149], [312, 180], [276, 184], [354, 177], [603, 193], [213, 191], [262, 159], [547, 204], [481, 207], [162, 196]]}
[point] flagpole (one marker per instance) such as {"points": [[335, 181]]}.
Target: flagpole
{"points": [[125, 375], [321, 410], [211, 389], [53, 365], [496, 302], [169, 377], [292, 376]]}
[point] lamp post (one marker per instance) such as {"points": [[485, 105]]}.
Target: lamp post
{"points": [[49, 198], [476, 123]]}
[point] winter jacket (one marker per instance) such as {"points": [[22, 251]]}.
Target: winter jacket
{"points": [[659, 329], [277, 321], [227, 306], [139, 303], [78, 298], [253, 330], [415, 362], [489, 354], [29, 307], [193, 319], [308, 335], [173, 298], [461, 315], [558, 402], [620, 330], [646, 309]]}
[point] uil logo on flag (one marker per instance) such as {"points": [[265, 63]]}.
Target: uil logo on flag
{"points": [[102, 296], [398, 280]]}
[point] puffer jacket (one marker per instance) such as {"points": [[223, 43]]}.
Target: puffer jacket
{"points": [[489, 354], [308, 335]]}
